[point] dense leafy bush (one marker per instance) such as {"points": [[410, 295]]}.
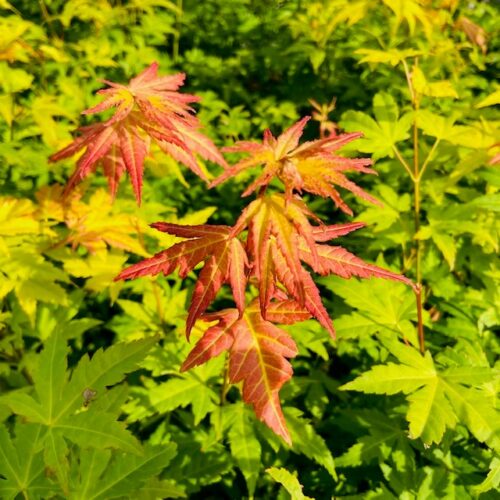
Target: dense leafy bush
{"points": [[402, 403]]}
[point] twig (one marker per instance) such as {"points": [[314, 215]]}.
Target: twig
{"points": [[420, 323], [403, 162]]}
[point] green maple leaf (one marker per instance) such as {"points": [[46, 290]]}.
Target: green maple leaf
{"points": [[307, 441], [492, 479], [102, 476], [288, 481], [380, 308], [385, 435], [245, 447], [58, 399], [32, 278], [438, 399], [381, 133], [189, 389], [22, 476]]}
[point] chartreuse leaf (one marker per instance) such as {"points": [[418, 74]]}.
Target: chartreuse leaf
{"points": [[124, 475], [32, 278], [437, 400], [17, 216], [97, 224], [381, 218], [385, 436], [443, 241], [381, 133], [437, 126], [105, 368], [492, 479], [288, 481], [245, 447], [100, 269], [490, 100], [447, 223], [475, 409], [57, 397], [14, 80], [413, 13], [476, 135], [51, 318], [307, 441], [380, 307], [441, 88], [190, 388], [388, 56], [487, 202], [21, 464]]}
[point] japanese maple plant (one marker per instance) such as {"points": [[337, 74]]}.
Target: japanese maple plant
{"points": [[266, 257]]}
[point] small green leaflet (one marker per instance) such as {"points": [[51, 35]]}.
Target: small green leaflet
{"points": [[492, 480], [307, 441], [245, 447], [385, 436], [32, 278], [190, 388], [288, 481]]}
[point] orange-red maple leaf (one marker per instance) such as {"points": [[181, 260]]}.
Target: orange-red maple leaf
{"points": [[148, 108], [258, 352], [313, 166], [281, 238], [224, 258]]}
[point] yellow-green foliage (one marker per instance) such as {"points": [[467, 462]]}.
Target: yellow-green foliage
{"points": [[92, 401]]}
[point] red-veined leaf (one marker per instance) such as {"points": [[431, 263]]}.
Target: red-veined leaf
{"points": [[147, 108], [313, 166], [221, 253], [258, 352]]}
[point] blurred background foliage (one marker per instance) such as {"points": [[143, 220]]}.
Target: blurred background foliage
{"points": [[257, 64]]}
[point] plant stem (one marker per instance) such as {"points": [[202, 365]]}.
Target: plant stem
{"points": [[225, 382], [408, 80], [416, 191], [416, 177], [420, 323], [428, 159], [403, 162]]}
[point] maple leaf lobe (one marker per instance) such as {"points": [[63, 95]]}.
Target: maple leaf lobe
{"points": [[224, 258]]}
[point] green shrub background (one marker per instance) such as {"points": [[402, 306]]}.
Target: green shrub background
{"points": [[127, 424]]}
